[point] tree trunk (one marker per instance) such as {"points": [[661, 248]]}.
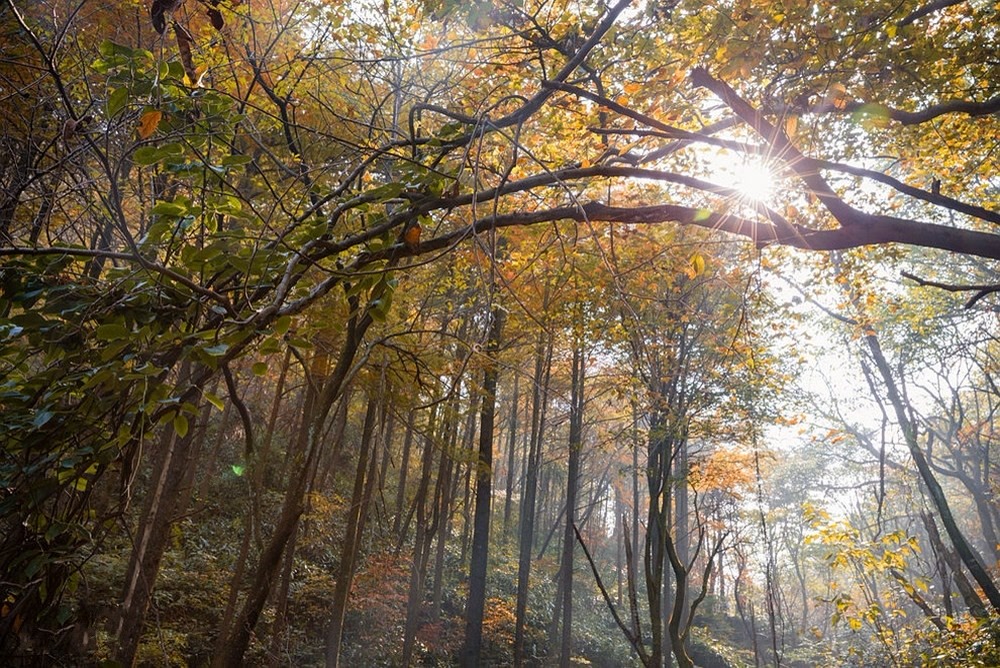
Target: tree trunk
{"points": [[575, 445], [404, 466], [526, 533], [166, 500], [357, 513], [300, 481], [421, 546], [481, 525], [511, 457], [965, 550]]}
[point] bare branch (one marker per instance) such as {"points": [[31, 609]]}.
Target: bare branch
{"points": [[981, 289]]}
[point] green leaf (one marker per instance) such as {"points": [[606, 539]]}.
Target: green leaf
{"points": [[116, 101], [169, 209], [111, 331], [236, 160], [181, 425], [270, 345], [147, 155], [388, 191], [282, 324], [259, 368]]}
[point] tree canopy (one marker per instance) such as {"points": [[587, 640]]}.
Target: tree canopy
{"points": [[347, 240]]}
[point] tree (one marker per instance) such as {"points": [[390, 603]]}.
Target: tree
{"points": [[185, 198]]}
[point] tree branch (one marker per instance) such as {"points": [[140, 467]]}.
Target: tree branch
{"points": [[981, 289], [929, 8]]}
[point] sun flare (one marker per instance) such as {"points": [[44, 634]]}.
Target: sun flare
{"points": [[753, 180]]}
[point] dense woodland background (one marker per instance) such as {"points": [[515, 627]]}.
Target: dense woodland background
{"points": [[545, 332]]}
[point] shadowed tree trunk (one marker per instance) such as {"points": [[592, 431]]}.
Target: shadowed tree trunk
{"points": [[364, 481], [575, 444], [165, 501], [511, 457], [299, 482], [481, 525]]}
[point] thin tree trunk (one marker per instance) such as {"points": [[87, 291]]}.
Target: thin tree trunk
{"points": [[575, 445], [270, 559], [404, 466], [526, 533], [965, 550], [165, 501], [481, 525], [363, 480], [511, 457], [421, 546]]}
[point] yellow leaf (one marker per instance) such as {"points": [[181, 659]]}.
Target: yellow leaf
{"points": [[632, 88], [148, 122], [697, 263]]}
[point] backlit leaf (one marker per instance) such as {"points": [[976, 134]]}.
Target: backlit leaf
{"points": [[148, 122]]}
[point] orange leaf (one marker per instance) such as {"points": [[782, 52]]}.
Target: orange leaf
{"points": [[148, 122], [791, 125]]}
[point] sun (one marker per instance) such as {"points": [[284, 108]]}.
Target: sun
{"points": [[753, 180]]}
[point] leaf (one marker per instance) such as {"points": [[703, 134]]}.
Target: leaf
{"points": [[836, 96], [215, 16], [169, 209], [147, 155], [791, 125], [217, 350], [111, 332], [117, 100], [282, 324], [181, 425], [41, 418], [697, 264], [214, 400], [236, 160], [184, 42], [156, 14], [148, 122], [259, 368]]}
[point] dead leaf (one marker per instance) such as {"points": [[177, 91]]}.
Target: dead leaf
{"points": [[148, 122], [215, 16], [184, 42]]}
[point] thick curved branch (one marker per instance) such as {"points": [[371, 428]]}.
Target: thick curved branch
{"points": [[929, 8], [917, 193], [967, 107], [781, 146], [874, 230]]}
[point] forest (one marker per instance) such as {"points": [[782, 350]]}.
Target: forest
{"points": [[359, 333]]}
